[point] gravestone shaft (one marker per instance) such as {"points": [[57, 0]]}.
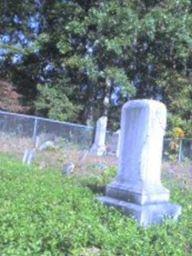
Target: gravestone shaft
{"points": [[137, 188], [99, 148]]}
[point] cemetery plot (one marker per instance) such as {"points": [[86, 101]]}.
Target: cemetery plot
{"points": [[44, 212]]}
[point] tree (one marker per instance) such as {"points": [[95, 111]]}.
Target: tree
{"points": [[91, 64], [94, 55], [163, 65], [10, 99]]}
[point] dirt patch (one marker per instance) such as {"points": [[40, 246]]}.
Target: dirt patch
{"points": [[84, 162]]}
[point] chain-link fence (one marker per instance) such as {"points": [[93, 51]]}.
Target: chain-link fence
{"points": [[173, 149], [32, 127], [47, 141], [22, 134], [177, 149]]}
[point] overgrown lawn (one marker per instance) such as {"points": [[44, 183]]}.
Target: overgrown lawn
{"points": [[45, 213]]}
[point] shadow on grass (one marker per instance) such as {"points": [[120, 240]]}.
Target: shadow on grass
{"points": [[96, 189]]}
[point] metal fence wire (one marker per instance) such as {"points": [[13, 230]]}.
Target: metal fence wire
{"points": [[177, 149], [32, 127], [19, 132]]}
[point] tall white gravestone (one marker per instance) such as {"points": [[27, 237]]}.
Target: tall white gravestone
{"points": [[99, 148], [137, 189]]}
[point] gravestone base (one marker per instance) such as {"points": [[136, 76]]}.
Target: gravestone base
{"points": [[146, 215], [137, 193]]}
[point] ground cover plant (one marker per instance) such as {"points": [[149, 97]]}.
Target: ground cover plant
{"points": [[43, 212]]}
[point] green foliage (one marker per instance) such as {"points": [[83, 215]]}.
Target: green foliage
{"points": [[55, 104], [176, 121], [119, 76], [143, 47], [44, 213]]}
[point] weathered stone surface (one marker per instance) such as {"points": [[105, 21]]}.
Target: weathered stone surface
{"points": [[47, 145], [68, 168], [29, 156], [137, 189], [145, 215], [99, 148]]}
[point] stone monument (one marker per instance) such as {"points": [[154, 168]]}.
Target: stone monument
{"points": [[29, 156], [99, 148], [137, 189]]}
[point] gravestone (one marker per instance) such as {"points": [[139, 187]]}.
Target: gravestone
{"points": [[99, 148], [68, 168], [112, 141], [137, 189], [29, 156], [47, 145]]}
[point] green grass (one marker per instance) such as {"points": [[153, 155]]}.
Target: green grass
{"points": [[44, 213]]}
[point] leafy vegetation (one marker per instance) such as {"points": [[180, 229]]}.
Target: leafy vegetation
{"points": [[45, 213]]}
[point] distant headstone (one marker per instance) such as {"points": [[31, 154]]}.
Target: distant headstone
{"points": [[29, 156], [112, 142], [137, 189], [99, 148], [46, 145], [68, 168]]}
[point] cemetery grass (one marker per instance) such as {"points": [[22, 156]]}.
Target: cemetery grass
{"points": [[45, 213]]}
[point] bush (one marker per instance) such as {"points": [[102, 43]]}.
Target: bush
{"points": [[45, 213]]}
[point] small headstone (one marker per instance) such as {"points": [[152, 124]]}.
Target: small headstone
{"points": [[137, 189], [99, 148], [112, 143], [47, 145], [68, 168], [25, 156], [29, 156]]}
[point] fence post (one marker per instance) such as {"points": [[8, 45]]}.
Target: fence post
{"points": [[180, 151], [35, 129]]}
